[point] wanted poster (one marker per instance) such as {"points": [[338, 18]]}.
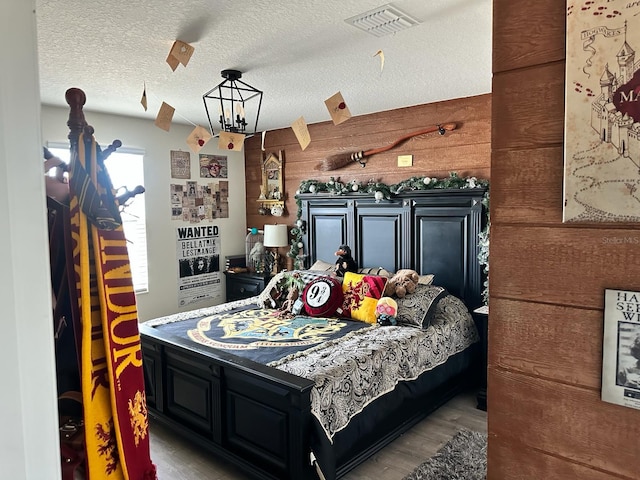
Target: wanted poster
{"points": [[180, 164], [198, 253]]}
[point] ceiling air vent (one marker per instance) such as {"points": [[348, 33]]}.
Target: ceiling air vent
{"points": [[382, 21]]}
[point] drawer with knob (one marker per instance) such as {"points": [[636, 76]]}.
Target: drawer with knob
{"points": [[244, 285]]}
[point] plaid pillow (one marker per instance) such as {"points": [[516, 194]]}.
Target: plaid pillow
{"points": [[306, 276]]}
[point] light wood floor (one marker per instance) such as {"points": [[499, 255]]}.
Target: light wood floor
{"points": [[178, 459]]}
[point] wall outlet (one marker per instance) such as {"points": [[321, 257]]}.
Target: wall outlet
{"points": [[405, 160]]}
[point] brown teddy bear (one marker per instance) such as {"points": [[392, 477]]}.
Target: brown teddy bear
{"points": [[404, 281]]}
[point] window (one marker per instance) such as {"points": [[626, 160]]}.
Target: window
{"points": [[125, 168]]}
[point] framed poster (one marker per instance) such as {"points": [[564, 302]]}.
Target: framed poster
{"points": [[198, 253], [180, 164], [621, 348], [213, 166], [602, 112]]}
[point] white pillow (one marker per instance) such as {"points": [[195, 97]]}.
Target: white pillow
{"points": [[379, 271], [322, 266], [426, 279]]}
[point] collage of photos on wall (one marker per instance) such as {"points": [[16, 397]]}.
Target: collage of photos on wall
{"points": [[194, 202]]}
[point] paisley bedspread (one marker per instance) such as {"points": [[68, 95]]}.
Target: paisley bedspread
{"points": [[378, 358]]}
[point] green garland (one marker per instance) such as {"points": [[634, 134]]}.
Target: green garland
{"points": [[382, 191]]}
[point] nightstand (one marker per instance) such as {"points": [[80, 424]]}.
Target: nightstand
{"points": [[244, 285], [481, 317]]}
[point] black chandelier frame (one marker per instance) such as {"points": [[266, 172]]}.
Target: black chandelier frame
{"points": [[231, 95]]}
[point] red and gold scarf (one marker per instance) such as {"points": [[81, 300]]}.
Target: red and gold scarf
{"points": [[114, 402]]}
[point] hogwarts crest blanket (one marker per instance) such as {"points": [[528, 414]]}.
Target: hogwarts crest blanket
{"points": [[260, 334]]}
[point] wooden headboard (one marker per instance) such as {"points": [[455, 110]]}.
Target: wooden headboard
{"points": [[432, 231]]}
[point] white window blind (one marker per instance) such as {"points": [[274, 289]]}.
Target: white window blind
{"points": [[125, 167]]}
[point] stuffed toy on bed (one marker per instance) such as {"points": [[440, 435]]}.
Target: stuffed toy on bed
{"points": [[287, 308], [403, 282], [345, 262], [386, 311]]}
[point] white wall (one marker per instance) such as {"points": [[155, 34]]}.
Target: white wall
{"points": [[162, 298], [28, 400]]}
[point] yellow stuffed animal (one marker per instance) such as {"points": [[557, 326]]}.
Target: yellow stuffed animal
{"points": [[404, 281]]}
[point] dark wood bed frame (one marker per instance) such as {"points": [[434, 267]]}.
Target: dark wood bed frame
{"points": [[259, 418]]}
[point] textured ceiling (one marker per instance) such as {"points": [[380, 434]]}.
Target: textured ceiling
{"points": [[298, 53]]}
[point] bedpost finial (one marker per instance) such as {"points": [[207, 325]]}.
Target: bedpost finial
{"points": [[76, 99]]}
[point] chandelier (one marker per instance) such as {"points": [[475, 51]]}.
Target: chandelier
{"points": [[233, 110]]}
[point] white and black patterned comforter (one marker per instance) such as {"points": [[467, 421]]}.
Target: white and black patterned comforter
{"points": [[351, 372]]}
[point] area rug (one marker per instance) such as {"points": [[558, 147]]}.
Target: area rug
{"points": [[464, 457]]}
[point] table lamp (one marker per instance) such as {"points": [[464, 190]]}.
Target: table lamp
{"points": [[275, 236]]}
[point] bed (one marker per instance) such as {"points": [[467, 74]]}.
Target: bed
{"points": [[287, 417]]}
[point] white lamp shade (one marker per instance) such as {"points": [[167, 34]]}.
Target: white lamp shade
{"points": [[275, 236]]}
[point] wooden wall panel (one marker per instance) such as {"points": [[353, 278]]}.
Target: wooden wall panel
{"points": [[546, 419], [514, 461], [548, 341], [466, 150], [529, 110], [530, 190], [567, 422], [563, 266], [527, 36]]}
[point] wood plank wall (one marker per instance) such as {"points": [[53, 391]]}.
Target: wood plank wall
{"points": [[466, 150], [546, 419]]}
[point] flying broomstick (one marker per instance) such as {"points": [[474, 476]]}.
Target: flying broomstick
{"points": [[340, 160]]}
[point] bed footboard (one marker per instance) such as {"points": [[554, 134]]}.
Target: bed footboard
{"points": [[253, 416]]}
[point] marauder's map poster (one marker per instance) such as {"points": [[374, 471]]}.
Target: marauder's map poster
{"points": [[602, 118]]}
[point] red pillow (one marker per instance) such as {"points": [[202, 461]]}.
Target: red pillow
{"points": [[322, 297]]}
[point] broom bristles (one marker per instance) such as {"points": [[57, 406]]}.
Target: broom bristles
{"points": [[339, 160]]}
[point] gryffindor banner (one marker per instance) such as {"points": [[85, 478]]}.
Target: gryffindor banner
{"points": [[115, 410]]}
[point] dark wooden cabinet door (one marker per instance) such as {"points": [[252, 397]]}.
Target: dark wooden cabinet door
{"points": [[330, 223], [446, 230], [384, 238]]}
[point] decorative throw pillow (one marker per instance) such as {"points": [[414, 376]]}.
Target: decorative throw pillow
{"points": [[322, 297], [361, 295], [426, 279], [304, 277], [417, 309], [322, 266], [277, 290], [375, 271]]}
